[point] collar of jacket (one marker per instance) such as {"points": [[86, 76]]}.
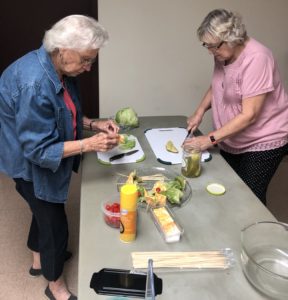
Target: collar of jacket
{"points": [[46, 62]]}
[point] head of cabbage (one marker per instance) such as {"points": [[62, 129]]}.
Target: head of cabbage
{"points": [[127, 116]]}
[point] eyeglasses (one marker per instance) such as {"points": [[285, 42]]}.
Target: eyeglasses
{"points": [[213, 47], [87, 61]]}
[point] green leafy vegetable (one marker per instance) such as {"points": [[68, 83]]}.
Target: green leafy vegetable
{"points": [[181, 179], [141, 191], [173, 195], [126, 143], [127, 116]]}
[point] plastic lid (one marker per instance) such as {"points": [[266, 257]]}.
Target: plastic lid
{"points": [[129, 189]]}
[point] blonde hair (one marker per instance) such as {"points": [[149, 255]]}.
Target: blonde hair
{"points": [[223, 25], [75, 32]]}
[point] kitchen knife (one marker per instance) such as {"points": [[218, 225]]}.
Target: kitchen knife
{"points": [[189, 134], [118, 156]]}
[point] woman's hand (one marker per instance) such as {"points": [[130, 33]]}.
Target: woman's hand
{"points": [[108, 126], [193, 122], [203, 142], [100, 142]]}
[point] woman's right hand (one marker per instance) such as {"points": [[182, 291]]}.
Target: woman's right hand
{"points": [[101, 142], [193, 122]]}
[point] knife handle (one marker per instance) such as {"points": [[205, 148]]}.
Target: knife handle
{"points": [[116, 157]]}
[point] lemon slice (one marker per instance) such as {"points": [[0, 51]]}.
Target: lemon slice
{"points": [[216, 189]]}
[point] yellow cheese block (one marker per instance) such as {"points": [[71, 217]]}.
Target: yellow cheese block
{"points": [[166, 224]]}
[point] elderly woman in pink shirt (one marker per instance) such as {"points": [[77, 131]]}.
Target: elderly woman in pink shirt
{"points": [[248, 101]]}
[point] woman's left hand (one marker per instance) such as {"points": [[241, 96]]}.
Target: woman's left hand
{"points": [[202, 141], [108, 126]]}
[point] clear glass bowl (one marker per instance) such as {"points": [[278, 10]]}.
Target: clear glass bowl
{"points": [[264, 257], [148, 184]]}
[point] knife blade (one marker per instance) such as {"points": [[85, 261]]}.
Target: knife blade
{"points": [[118, 156], [189, 134]]}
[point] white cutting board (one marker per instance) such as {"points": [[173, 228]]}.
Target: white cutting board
{"points": [[103, 157], [158, 137]]}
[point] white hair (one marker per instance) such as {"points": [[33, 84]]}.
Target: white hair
{"points": [[75, 32], [224, 25]]}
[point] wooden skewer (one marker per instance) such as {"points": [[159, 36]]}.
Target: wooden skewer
{"points": [[123, 175], [176, 254], [157, 177], [203, 259], [148, 177]]}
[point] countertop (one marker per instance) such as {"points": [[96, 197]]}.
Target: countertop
{"points": [[210, 223]]}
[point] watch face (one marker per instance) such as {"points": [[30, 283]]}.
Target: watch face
{"points": [[212, 139]]}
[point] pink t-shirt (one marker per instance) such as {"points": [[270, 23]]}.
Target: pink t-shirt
{"points": [[254, 72]]}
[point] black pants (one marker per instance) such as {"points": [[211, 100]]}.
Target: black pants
{"points": [[256, 169], [48, 233]]}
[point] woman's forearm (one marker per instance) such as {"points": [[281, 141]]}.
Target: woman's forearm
{"points": [[205, 103], [251, 108], [88, 123], [98, 142], [72, 148], [232, 127], [195, 120]]}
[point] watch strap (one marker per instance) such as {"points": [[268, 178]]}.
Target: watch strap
{"points": [[212, 139], [90, 124]]}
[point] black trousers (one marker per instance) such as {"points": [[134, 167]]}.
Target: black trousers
{"points": [[256, 169], [48, 233]]}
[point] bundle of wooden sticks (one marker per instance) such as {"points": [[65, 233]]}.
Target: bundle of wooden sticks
{"points": [[202, 259]]}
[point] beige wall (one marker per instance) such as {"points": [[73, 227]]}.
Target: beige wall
{"points": [[154, 62]]}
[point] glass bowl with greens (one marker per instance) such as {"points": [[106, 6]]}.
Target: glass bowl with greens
{"points": [[158, 186]]}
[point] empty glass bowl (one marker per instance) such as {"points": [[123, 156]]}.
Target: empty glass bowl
{"points": [[264, 257]]}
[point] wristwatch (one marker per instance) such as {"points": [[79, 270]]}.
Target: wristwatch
{"points": [[90, 124], [213, 140]]}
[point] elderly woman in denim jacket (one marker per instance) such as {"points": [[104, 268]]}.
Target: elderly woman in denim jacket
{"points": [[41, 139]]}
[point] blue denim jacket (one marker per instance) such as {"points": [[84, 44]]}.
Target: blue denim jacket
{"points": [[34, 123]]}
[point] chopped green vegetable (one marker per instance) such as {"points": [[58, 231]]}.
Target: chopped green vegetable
{"points": [[173, 195], [141, 191], [126, 143], [173, 184], [127, 116], [181, 179]]}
